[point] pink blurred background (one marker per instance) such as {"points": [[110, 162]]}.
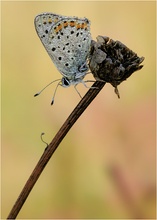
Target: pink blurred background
{"points": [[105, 167]]}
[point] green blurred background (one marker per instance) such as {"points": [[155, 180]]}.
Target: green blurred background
{"points": [[105, 167]]}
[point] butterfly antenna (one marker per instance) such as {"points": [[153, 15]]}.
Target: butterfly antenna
{"points": [[46, 87], [59, 84]]}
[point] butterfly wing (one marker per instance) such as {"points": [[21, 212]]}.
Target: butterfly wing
{"points": [[67, 41]]}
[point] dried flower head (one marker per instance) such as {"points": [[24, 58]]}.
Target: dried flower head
{"points": [[112, 62]]}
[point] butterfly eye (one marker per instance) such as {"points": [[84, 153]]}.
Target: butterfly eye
{"points": [[65, 82]]}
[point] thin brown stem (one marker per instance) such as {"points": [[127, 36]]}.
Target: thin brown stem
{"points": [[50, 149]]}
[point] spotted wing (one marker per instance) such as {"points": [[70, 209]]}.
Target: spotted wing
{"points": [[43, 24], [67, 41]]}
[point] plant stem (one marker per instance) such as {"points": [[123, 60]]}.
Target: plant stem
{"points": [[50, 149]]}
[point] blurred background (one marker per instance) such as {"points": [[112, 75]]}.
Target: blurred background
{"points": [[105, 166]]}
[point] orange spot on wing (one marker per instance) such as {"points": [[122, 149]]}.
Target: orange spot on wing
{"points": [[85, 25], [78, 26], [65, 24], [56, 29], [72, 23], [59, 27], [82, 26]]}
